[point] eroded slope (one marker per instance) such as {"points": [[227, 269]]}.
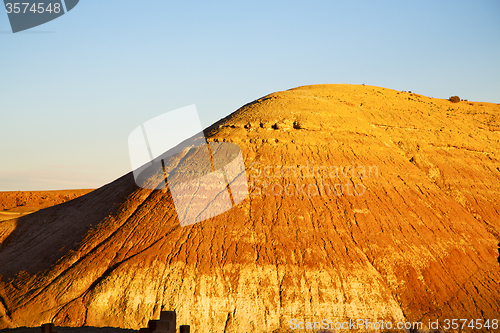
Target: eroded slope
{"points": [[419, 243]]}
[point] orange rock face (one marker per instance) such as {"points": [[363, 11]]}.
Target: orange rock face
{"points": [[365, 203]]}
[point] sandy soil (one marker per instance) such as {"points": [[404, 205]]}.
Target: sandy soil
{"points": [[15, 204]]}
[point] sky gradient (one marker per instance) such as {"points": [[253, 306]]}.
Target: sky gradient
{"points": [[73, 89]]}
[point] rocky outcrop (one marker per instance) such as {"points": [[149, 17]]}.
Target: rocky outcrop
{"points": [[365, 203]]}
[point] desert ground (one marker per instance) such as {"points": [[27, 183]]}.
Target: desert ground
{"points": [[15, 204]]}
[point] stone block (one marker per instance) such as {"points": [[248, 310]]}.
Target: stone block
{"points": [[48, 328], [168, 315]]}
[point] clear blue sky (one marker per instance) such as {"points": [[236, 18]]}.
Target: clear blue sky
{"points": [[73, 89]]}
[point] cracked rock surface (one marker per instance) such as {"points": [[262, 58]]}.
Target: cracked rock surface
{"points": [[364, 202]]}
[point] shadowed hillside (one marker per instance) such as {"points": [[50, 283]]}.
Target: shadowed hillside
{"points": [[365, 203]]}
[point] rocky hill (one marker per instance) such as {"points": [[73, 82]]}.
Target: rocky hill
{"points": [[365, 203]]}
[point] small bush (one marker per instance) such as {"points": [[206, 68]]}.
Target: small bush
{"points": [[454, 99]]}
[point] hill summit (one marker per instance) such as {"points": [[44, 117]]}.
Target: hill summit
{"points": [[365, 203]]}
